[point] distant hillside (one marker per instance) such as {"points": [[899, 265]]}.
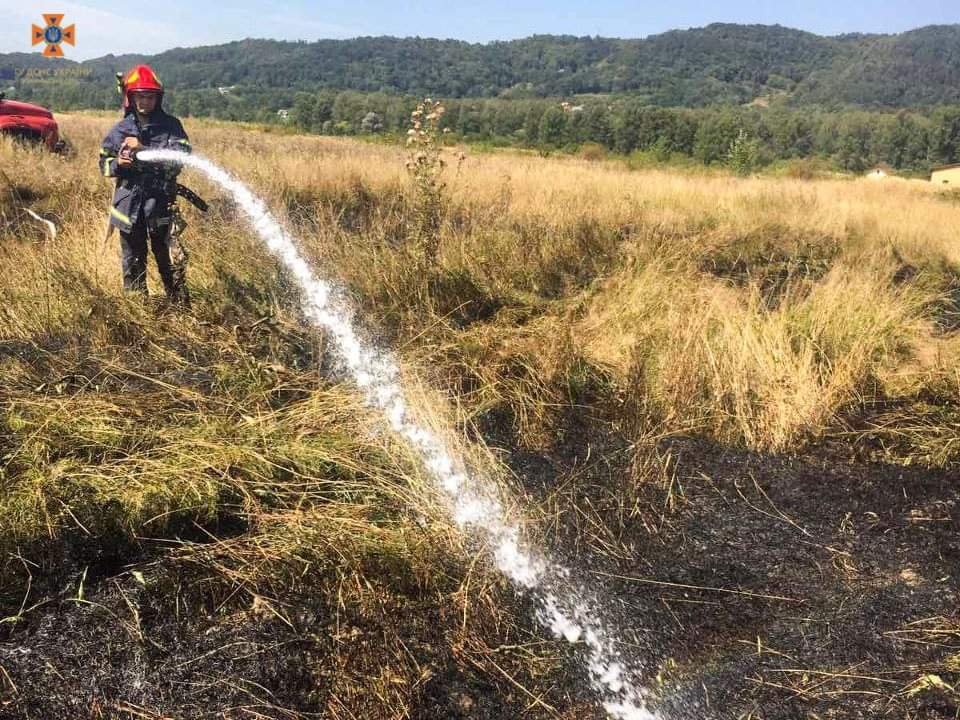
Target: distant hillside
{"points": [[718, 64], [918, 67]]}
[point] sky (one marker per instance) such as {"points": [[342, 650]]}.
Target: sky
{"points": [[121, 26]]}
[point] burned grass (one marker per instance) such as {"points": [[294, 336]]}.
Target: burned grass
{"points": [[168, 643], [773, 263], [727, 403], [760, 585]]}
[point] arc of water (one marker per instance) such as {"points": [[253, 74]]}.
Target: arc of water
{"points": [[568, 610]]}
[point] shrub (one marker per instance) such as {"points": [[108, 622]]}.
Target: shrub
{"points": [[592, 151], [744, 154]]}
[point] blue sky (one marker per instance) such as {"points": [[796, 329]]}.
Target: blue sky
{"points": [[121, 26]]}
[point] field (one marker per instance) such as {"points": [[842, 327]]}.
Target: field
{"points": [[730, 404]]}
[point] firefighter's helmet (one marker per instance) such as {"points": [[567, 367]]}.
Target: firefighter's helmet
{"points": [[142, 78]]}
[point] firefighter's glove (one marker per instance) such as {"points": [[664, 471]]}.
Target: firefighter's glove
{"points": [[128, 151]]}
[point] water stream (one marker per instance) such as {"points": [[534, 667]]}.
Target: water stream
{"points": [[566, 607]]}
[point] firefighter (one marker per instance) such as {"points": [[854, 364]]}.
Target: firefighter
{"points": [[144, 199]]}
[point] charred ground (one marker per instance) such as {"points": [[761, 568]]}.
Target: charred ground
{"points": [[753, 585]]}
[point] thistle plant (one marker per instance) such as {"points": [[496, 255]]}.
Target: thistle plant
{"points": [[426, 168]]}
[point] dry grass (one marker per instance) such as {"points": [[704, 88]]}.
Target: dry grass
{"points": [[125, 417], [763, 312], [760, 311]]}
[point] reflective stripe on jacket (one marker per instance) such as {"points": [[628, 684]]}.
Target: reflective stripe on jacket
{"points": [[143, 191]]}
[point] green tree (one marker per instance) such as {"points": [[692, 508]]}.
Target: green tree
{"points": [[853, 144], [945, 135], [552, 126], [371, 123], [715, 133]]}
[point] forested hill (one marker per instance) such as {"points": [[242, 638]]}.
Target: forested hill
{"points": [[721, 63]]}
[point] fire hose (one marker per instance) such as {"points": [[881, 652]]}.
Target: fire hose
{"points": [[181, 191]]}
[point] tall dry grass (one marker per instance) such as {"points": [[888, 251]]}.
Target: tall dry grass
{"points": [[764, 312], [124, 420], [743, 301]]}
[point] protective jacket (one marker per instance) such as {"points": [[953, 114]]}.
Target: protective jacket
{"points": [[143, 191]]}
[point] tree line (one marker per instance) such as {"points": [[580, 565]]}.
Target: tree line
{"points": [[853, 140]]}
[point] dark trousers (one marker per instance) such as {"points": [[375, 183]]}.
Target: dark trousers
{"points": [[169, 253]]}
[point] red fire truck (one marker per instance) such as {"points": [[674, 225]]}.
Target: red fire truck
{"points": [[29, 122]]}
